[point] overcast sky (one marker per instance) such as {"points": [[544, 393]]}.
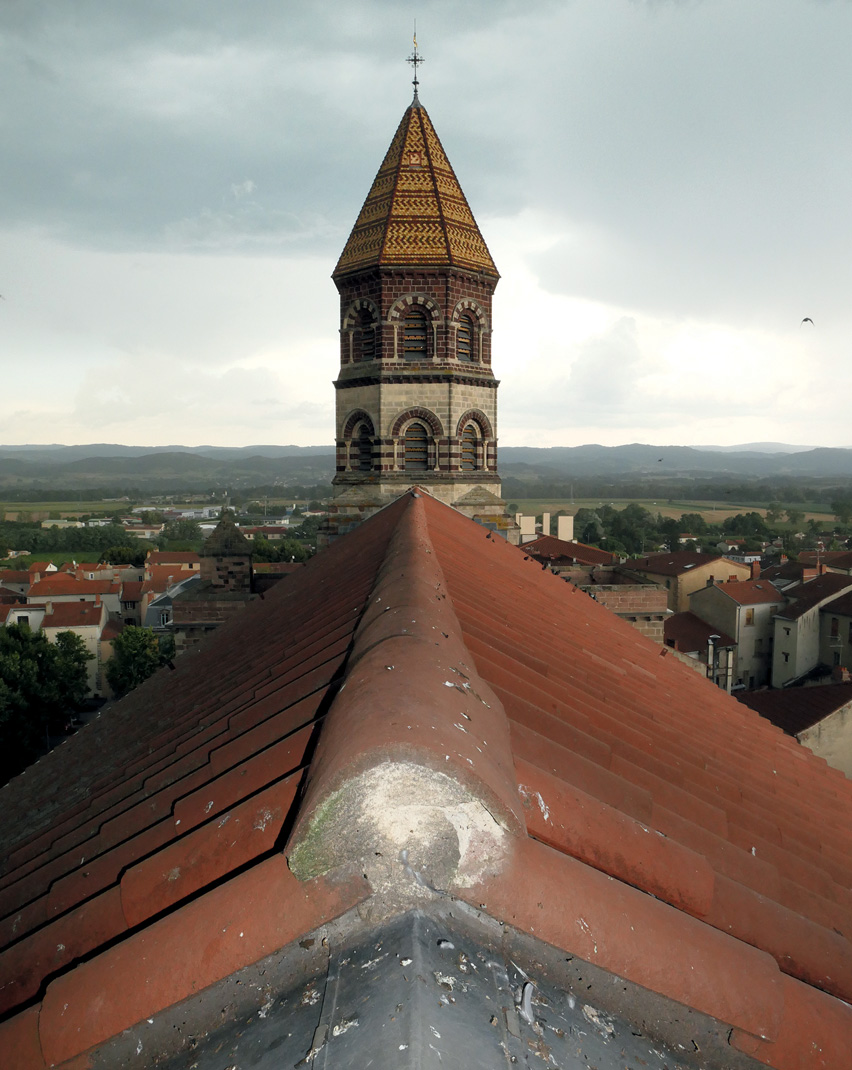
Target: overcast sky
{"points": [[664, 186]]}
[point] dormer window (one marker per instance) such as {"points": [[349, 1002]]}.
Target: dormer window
{"points": [[414, 334], [464, 338]]}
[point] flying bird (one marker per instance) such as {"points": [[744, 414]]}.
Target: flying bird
{"points": [[807, 319]]}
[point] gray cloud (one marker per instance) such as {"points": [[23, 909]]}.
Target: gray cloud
{"points": [[688, 159]]}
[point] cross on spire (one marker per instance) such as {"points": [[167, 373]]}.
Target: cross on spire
{"points": [[415, 59]]}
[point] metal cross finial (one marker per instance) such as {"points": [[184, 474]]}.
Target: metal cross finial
{"points": [[415, 59]]}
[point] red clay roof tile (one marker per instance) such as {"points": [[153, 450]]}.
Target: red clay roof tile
{"points": [[630, 934], [751, 592], [548, 548], [678, 827]]}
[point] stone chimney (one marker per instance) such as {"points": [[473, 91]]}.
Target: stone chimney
{"points": [[755, 570], [565, 528]]}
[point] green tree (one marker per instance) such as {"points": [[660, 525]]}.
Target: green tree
{"points": [[262, 549], [795, 517], [137, 653], [70, 669], [293, 550], [40, 684], [183, 530], [125, 554], [671, 531], [842, 509], [693, 524]]}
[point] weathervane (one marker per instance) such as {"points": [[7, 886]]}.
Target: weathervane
{"points": [[415, 59]]}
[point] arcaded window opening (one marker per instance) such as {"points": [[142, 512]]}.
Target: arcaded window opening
{"points": [[365, 336], [416, 448], [470, 449], [364, 449], [465, 336], [414, 334]]}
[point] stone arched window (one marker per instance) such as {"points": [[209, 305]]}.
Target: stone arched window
{"points": [[415, 334], [365, 336], [466, 338], [470, 448], [361, 449], [416, 446]]}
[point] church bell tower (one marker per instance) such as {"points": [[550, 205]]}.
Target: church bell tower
{"points": [[416, 399]]}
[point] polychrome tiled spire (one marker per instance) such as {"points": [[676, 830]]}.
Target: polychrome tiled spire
{"points": [[416, 213]]}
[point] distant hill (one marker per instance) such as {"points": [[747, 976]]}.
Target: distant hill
{"points": [[184, 468], [661, 461], [167, 469], [64, 454], [757, 447]]}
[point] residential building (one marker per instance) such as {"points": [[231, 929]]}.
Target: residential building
{"points": [[634, 598], [272, 532], [820, 718], [745, 610], [31, 615], [702, 647], [143, 531], [181, 560], [564, 556], [41, 568], [796, 649], [62, 587], [156, 608], [835, 632], [131, 602], [789, 573], [17, 580], [828, 560], [685, 571]]}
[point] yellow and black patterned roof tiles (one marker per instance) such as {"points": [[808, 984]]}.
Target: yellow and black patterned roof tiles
{"points": [[415, 212]]}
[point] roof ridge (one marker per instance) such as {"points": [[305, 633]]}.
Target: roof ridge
{"points": [[431, 793], [430, 163]]}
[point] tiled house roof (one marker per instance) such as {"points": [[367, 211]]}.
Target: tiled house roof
{"points": [[674, 564], [833, 558], [687, 632], [159, 578], [421, 718], [796, 708], [56, 585], [751, 592], [546, 547], [172, 557], [804, 596], [14, 575], [74, 615], [131, 590]]}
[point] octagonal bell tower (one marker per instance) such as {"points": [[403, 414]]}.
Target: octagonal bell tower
{"points": [[416, 399]]}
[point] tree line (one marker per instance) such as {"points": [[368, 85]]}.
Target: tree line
{"points": [[635, 530]]}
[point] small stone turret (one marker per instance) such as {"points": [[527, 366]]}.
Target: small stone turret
{"points": [[226, 557]]}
